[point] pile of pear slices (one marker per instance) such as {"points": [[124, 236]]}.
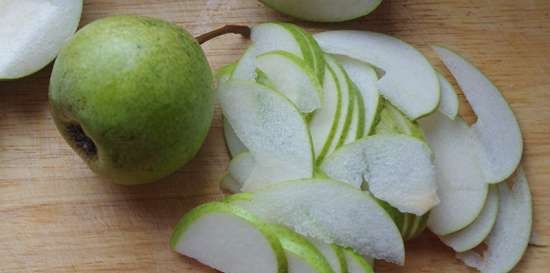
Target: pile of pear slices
{"points": [[344, 145]]}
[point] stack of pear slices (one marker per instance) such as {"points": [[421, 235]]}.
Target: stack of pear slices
{"points": [[345, 144]]}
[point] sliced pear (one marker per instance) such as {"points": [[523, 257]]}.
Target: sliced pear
{"points": [[409, 82], [461, 184], [324, 11], [449, 99], [333, 254], [291, 76], [356, 263], [245, 70], [242, 166], [33, 32], [364, 77], [234, 145], [225, 72], [228, 239], [301, 255], [272, 129], [392, 121], [496, 128], [356, 127], [325, 120], [314, 208], [510, 235], [475, 233], [229, 184], [397, 168]]}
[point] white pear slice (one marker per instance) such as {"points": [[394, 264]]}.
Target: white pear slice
{"points": [[314, 208], [475, 233], [229, 184], [449, 99], [220, 235], [324, 121], [245, 70], [355, 130], [496, 128], [364, 77], [301, 255], [332, 253], [510, 235], [291, 76], [234, 144], [32, 33], [346, 106], [462, 189], [241, 167], [397, 168], [392, 121], [290, 38], [324, 11], [356, 263], [272, 129], [409, 82]]}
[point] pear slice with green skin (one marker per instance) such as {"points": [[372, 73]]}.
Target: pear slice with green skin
{"points": [[273, 130], [312, 208], [301, 255], [397, 168], [220, 235], [461, 184], [245, 70], [291, 76], [356, 263], [355, 130], [364, 78], [324, 122], [229, 185], [225, 72], [324, 11], [510, 235], [409, 82], [496, 129], [290, 38], [241, 166], [474, 234], [33, 32], [234, 145], [392, 121], [449, 99], [333, 254]]}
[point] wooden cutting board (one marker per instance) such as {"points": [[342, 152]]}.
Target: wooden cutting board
{"points": [[57, 216]]}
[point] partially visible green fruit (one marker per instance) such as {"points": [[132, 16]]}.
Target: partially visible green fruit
{"points": [[133, 96]]}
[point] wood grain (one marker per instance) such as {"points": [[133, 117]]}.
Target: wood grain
{"points": [[57, 216]]}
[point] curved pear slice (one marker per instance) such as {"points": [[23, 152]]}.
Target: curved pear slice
{"points": [[224, 73], [496, 128], [475, 233], [242, 166], [392, 121], [232, 141], [220, 235], [333, 254], [461, 185], [315, 208], [409, 83], [356, 263], [33, 32], [364, 77], [510, 235], [272, 129], [301, 255], [291, 76], [245, 70], [324, 11], [449, 100], [229, 184], [397, 168], [324, 121], [355, 130]]}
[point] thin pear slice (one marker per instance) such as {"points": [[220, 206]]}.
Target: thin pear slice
{"points": [[475, 233], [225, 72], [461, 184], [272, 129], [242, 166], [324, 11], [32, 33], [333, 254], [510, 236], [315, 208], [356, 263], [230, 185], [409, 82], [449, 99], [234, 145], [291, 76], [497, 129], [356, 127], [397, 168], [392, 121], [301, 255], [324, 121], [220, 235], [245, 70], [364, 77]]}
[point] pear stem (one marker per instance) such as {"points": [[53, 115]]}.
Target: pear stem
{"points": [[235, 29]]}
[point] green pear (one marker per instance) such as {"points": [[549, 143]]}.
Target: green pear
{"points": [[133, 96]]}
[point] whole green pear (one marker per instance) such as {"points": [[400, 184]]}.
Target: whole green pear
{"points": [[133, 96]]}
